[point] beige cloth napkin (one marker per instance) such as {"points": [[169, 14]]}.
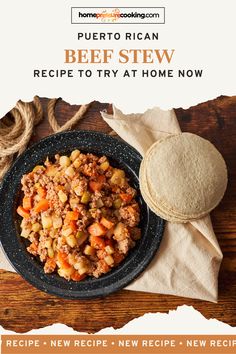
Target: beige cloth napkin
{"points": [[188, 260]]}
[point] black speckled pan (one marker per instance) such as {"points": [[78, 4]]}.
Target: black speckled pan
{"points": [[121, 155]]}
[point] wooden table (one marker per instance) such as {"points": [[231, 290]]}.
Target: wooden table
{"points": [[23, 307]]}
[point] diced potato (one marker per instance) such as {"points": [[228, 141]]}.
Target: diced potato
{"points": [[53, 233], [39, 167], [77, 163], [54, 245], [74, 203], [25, 233], [81, 267], [65, 272], [85, 197], [48, 243], [82, 271], [78, 191], [66, 232], [64, 161], [77, 266], [46, 221], [104, 166], [81, 264], [36, 227], [23, 224], [56, 222], [118, 177], [109, 260], [70, 172], [62, 196], [71, 240], [51, 171], [57, 177], [120, 231], [74, 155], [37, 198], [50, 252], [89, 250], [109, 249], [71, 259]]}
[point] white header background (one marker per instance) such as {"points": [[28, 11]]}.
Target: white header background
{"points": [[34, 35]]}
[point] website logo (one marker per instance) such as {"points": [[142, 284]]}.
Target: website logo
{"points": [[121, 15]]}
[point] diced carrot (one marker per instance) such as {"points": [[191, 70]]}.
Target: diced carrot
{"points": [[41, 192], [22, 212], [50, 262], [95, 186], [126, 197], [108, 224], [114, 188], [42, 205], [62, 260], [101, 179], [59, 188], [96, 229], [27, 203], [73, 225], [34, 247], [72, 215], [97, 242], [61, 256], [77, 277]]}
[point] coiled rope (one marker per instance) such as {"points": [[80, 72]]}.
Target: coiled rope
{"points": [[17, 127]]}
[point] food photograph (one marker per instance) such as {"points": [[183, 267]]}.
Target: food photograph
{"points": [[106, 216], [117, 177]]}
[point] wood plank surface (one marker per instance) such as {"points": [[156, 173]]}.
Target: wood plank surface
{"points": [[23, 307]]}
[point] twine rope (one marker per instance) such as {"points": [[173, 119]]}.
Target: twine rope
{"points": [[70, 123], [17, 127]]}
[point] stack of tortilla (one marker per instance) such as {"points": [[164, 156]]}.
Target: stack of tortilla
{"points": [[183, 177]]}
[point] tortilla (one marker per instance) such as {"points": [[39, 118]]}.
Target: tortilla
{"points": [[183, 176], [152, 205]]}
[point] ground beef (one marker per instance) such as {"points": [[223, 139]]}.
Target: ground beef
{"points": [[100, 269], [95, 213], [32, 249], [80, 184], [49, 266], [74, 211], [130, 215]]}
